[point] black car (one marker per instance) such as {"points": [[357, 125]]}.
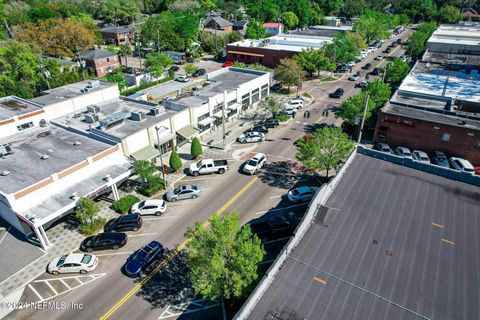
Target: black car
{"points": [[261, 129], [375, 72], [199, 73], [175, 68], [337, 94], [343, 68], [104, 240], [367, 66], [190, 59], [387, 50], [126, 222], [271, 123], [276, 87]]}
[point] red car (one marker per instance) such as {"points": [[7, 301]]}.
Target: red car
{"points": [[227, 64], [477, 170]]}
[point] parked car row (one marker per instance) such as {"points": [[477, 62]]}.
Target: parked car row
{"points": [[439, 158]]}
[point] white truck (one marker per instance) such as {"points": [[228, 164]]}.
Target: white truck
{"points": [[208, 166]]}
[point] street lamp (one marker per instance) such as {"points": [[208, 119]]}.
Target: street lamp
{"points": [[160, 155], [81, 64]]}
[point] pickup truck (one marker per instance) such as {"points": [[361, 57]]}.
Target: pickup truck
{"points": [[282, 225], [208, 166]]}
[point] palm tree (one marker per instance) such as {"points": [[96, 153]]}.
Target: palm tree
{"points": [[271, 104], [125, 51]]}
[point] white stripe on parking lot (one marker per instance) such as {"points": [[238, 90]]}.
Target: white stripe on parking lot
{"points": [[160, 218], [142, 234], [276, 196], [283, 208], [36, 292], [113, 254], [51, 287]]}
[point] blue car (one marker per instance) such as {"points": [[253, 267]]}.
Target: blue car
{"points": [[142, 258]]}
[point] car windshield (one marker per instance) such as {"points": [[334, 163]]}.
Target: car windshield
{"points": [[86, 258], [140, 257], [141, 205], [61, 261], [252, 163], [407, 154], [467, 169], [176, 190], [424, 158], [295, 191]]}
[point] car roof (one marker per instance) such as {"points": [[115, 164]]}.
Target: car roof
{"points": [[187, 187], [129, 217], [463, 162], [420, 153], [258, 155], [403, 149], [305, 189], [74, 257], [153, 202]]}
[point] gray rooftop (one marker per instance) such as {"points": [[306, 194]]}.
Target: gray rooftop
{"points": [[94, 54], [402, 244], [219, 21], [228, 80], [13, 106], [69, 91], [119, 29], [434, 115], [316, 32], [25, 165], [167, 88], [124, 128], [452, 58]]}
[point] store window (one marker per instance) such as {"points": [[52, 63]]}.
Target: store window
{"points": [[203, 116], [25, 126]]}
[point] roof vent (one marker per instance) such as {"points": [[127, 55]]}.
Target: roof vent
{"points": [[77, 143], [5, 149], [45, 157], [43, 123], [137, 115], [5, 173]]}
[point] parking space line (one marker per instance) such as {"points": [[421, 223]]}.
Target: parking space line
{"points": [[448, 241], [438, 225], [199, 179], [76, 278], [274, 197], [114, 253], [276, 240], [283, 208], [319, 280], [64, 283], [142, 234], [1, 240], [160, 218], [36, 292], [51, 287]]}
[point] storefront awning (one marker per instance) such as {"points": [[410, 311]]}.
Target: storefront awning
{"points": [[206, 121], [187, 132], [218, 115], [234, 106], [164, 136], [146, 153], [246, 53]]}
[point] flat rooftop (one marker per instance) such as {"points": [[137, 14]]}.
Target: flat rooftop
{"points": [[286, 42], [402, 244], [464, 33], [227, 80], [443, 83], [436, 116], [13, 106], [69, 91], [25, 164], [123, 128], [452, 59], [167, 88]]}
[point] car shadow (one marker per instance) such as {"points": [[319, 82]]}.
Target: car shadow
{"points": [[282, 174]]}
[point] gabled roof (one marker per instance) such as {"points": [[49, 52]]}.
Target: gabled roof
{"points": [[218, 20], [272, 25], [239, 23], [119, 29], [469, 11], [94, 54]]}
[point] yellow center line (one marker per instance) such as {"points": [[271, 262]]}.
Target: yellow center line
{"points": [[389, 55], [438, 225], [319, 119], [448, 241], [172, 255], [319, 280]]}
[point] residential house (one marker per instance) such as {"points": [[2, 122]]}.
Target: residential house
{"points": [[273, 28], [121, 35], [217, 23], [100, 61]]}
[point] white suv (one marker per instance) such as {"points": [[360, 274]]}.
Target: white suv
{"points": [[298, 103], [255, 163], [153, 206], [462, 165]]}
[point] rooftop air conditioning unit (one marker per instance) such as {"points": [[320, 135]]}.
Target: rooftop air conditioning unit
{"points": [[5, 149], [138, 115], [155, 111], [93, 84], [93, 109], [91, 118], [43, 123]]}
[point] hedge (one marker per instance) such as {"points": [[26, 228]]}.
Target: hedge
{"points": [[92, 228], [145, 86], [124, 204]]}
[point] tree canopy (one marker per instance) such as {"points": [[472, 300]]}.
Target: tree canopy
{"points": [[290, 20], [396, 71], [224, 258], [416, 43], [156, 63], [289, 73], [255, 30], [324, 149], [372, 25], [343, 49], [449, 14], [353, 108], [312, 61]]}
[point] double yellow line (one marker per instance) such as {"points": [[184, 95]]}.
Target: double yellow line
{"points": [[172, 255]]}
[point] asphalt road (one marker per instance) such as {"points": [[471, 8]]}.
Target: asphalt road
{"points": [[108, 294]]}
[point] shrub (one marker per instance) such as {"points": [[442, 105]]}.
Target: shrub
{"points": [[152, 186], [283, 118], [124, 204], [196, 148], [175, 161], [145, 85], [93, 227]]}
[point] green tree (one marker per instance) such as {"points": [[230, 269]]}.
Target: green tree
{"points": [[255, 30], [190, 68], [378, 92], [117, 77], [312, 61], [416, 9], [353, 8], [330, 7], [156, 63], [124, 52], [270, 104], [353, 108], [372, 25], [145, 169], [449, 14], [116, 11], [264, 10], [290, 20], [357, 39], [342, 49], [175, 162], [229, 252], [289, 73], [87, 210], [324, 149], [396, 71], [196, 148], [416, 43]]}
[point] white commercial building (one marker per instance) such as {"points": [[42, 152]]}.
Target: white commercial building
{"points": [[462, 38]]}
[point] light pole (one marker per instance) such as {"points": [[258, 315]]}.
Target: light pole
{"points": [[223, 119], [161, 158], [363, 119]]}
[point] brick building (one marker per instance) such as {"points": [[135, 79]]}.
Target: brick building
{"points": [[100, 61], [217, 23], [269, 51], [121, 35]]}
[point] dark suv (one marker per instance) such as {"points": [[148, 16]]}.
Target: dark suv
{"points": [[126, 222], [259, 128], [271, 123], [337, 94], [199, 73]]}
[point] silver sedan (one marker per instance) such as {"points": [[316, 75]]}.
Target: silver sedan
{"points": [[187, 191]]}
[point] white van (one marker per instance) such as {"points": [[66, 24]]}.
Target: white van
{"points": [[296, 103]]}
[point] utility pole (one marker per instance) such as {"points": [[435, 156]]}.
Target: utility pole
{"points": [[161, 158], [363, 119], [158, 41], [223, 119]]}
